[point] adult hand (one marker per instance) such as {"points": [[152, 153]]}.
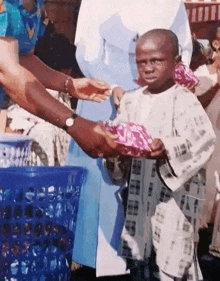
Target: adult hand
{"points": [[93, 138], [117, 94], [157, 149], [89, 89]]}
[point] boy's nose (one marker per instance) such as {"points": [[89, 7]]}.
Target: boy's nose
{"points": [[148, 68]]}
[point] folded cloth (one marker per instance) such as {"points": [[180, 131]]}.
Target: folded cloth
{"points": [[184, 76], [133, 138]]}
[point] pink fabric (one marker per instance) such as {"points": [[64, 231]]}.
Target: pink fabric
{"points": [[133, 138], [184, 76]]}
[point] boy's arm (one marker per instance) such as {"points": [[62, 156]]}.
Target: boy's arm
{"points": [[191, 146]]}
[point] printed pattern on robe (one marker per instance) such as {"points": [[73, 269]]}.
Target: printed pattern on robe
{"points": [[134, 207], [169, 218], [187, 154], [153, 214]]}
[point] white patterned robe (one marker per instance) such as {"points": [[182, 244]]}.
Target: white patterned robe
{"points": [[167, 216]]}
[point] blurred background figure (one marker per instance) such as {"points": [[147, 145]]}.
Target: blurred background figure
{"points": [[205, 63], [24, 77], [50, 143]]}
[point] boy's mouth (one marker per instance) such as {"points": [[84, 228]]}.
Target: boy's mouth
{"points": [[150, 79]]}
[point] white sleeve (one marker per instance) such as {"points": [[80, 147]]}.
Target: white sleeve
{"points": [[181, 28], [191, 146]]}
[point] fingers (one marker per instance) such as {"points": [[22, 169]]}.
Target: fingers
{"points": [[190, 86], [98, 97], [117, 99], [102, 85], [157, 154], [117, 94], [157, 149], [111, 135], [157, 145], [107, 134]]}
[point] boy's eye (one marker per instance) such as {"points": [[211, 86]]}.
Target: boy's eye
{"points": [[140, 63], [156, 61]]}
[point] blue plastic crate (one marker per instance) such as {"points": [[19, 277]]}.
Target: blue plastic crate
{"points": [[14, 150], [38, 211]]}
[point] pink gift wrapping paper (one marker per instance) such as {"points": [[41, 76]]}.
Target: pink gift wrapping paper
{"points": [[184, 76], [133, 138]]}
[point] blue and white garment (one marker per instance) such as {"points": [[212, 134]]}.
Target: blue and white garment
{"points": [[17, 22]]}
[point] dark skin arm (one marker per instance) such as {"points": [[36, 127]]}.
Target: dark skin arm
{"points": [[81, 88], [206, 98], [27, 91]]}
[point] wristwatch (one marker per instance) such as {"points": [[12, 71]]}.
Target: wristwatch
{"points": [[70, 121]]}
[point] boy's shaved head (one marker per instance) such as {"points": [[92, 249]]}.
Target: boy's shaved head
{"points": [[166, 39], [156, 58]]}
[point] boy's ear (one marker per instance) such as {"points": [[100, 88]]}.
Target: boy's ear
{"points": [[178, 59], [215, 44]]}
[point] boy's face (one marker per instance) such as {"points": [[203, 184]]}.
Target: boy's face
{"points": [[155, 64]]}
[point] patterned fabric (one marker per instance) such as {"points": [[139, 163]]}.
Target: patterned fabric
{"points": [[17, 22], [25, 26], [164, 207], [50, 144]]}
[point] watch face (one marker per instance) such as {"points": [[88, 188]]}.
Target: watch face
{"points": [[69, 122]]}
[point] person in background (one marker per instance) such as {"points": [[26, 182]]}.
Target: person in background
{"points": [[106, 36], [25, 80], [208, 94], [50, 143]]}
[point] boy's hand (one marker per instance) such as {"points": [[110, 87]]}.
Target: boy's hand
{"points": [[117, 94], [157, 149]]}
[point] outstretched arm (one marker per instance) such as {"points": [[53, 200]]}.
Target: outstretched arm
{"points": [[26, 90], [81, 88]]}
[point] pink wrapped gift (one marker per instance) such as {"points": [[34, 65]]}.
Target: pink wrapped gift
{"points": [[133, 138], [184, 76]]}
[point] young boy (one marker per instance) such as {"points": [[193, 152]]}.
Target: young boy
{"points": [[163, 207]]}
